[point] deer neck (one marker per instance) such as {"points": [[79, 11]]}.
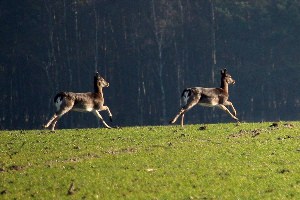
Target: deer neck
{"points": [[224, 85], [98, 90]]}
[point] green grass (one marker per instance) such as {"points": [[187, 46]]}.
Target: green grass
{"points": [[224, 161]]}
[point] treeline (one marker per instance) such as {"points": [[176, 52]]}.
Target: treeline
{"points": [[149, 51]]}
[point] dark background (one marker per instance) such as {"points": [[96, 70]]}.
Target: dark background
{"points": [[149, 51]]}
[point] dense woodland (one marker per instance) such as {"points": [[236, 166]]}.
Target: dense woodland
{"points": [[149, 51]]}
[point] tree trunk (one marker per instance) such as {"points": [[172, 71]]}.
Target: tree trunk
{"points": [[159, 40], [213, 42]]}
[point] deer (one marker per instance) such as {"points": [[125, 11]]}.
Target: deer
{"points": [[210, 97], [81, 102]]}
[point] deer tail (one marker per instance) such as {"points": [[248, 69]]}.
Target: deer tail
{"points": [[60, 95], [186, 95]]}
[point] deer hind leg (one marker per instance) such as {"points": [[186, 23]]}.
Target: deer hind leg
{"points": [[57, 116], [183, 110], [226, 110], [182, 118], [178, 115], [54, 120], [100, 117], [108, 110], [50, 121]]}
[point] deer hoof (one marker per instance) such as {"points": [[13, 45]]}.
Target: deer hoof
{"points": [[45, 126], [172, 121]]}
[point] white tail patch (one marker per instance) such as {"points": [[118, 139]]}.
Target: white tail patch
{"points": [[185, 96], [58, 103]]}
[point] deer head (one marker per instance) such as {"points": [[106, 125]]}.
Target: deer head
{"points": [[226, 77], [99, 81]]}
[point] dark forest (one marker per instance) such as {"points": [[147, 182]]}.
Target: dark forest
{"points": [[149, 51]]}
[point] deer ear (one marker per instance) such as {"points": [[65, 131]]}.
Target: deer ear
{"points": [[97, 74], [225, 70], [222, 72]]}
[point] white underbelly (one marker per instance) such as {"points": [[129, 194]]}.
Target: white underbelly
{"points": [[58, 104], [208, 104], [82, 109]]}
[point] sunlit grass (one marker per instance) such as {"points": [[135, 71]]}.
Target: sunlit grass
{"points": [[223, 161]]}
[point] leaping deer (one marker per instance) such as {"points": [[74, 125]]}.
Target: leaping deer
{"points": [[210, 97], [81, 102]]}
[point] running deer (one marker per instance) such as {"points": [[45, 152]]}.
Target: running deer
{"points": [[210, 97], [81, 102]]}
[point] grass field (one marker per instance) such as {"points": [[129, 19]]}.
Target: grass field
{"points": [[215, 161]]}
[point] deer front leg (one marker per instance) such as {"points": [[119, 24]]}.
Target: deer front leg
{"points": [[226, 110], [234, 111], [228, 103], [100, 117], [108, 110]]}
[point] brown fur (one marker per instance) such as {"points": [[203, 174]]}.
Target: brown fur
{"points": [[208, 97], [81, 102]]}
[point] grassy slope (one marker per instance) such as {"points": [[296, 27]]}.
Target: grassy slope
{"points": [[233, 162]]}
